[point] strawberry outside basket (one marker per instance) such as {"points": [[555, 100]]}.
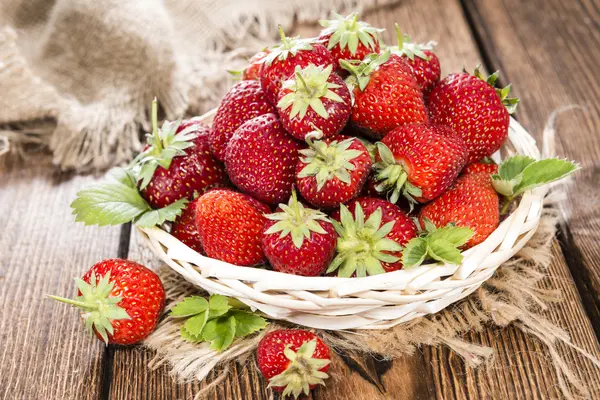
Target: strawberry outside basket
{"points": [[372, 302]]}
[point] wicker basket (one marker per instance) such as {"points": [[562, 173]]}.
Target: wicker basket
{"points": [[373, 302]]}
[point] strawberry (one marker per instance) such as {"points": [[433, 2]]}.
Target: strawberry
{"points": [[244, 101], [332, 171], [230, 225], [419, 161], [347, 38], [283, 59], [475, 110], [293, 361], [261, 158], [470, 202], [252, 71], [371, 233], [486, 165], [299, 240], [177, 162], [386, 94], [421, 59], [122, 301], [314, 98], [184, 228]]}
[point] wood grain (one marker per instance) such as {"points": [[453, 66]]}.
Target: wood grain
{"points": [[45, 352]]}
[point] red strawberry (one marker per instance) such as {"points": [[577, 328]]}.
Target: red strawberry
{"points": [[184, 228], [252, 71], [347, 38], [293, 361], [477, 111], [261, 158], [487, 166], [177, 163], [314, 98], [421, 59], [371, 234], [470, 202], [230, 225], [386, 94], [244, 101], [122, 301], [299, 240], [283, 59], [419, 161], [332, 171]]}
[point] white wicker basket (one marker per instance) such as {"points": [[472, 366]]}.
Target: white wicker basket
{"points": [[373, 302]]}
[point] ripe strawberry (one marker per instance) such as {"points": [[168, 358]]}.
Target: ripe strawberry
{"points": [[371, 233], [244, 101], [332, 171], [293, 360], [184, 228], [477, 111], [470, 202], [347, 38], [261, 158], [230, 225], [421, 59], [314, 98], [177, 162], [419, 161], [299, 240], [283, 59], [386, 94], [252, 71], [122, 301], [487, 166]]}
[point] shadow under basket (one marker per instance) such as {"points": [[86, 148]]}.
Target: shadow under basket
{"points": [[373, 302]]}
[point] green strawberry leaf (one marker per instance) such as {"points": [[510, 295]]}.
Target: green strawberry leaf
{"points": [[454, 235], [440, 244], [444, 251], [514, 166], [188, 337], [189, 306], [414, 252], [195, 325], [157, 217], [219, 332], [545, 171], [247, 323], [218, 305]]}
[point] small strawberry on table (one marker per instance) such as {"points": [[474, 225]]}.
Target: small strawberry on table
{"points": [[121, 301]]}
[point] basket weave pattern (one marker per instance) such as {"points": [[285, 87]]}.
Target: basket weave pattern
{"points": [[373, 302]]}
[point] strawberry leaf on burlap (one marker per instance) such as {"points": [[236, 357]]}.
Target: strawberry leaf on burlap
{"points": [[190, 306], [219, 332], [247, 323]]}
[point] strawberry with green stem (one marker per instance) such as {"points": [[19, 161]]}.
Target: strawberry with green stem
{"points": [[121, 301], [386, 94], [332, 171], [281, 62], [347, 38], [372, 233], [298, 240], [475, 109], [294, 361], [420, 58], [312, 98]]}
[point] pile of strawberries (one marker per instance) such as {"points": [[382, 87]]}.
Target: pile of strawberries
{"points": [[334, 155]]}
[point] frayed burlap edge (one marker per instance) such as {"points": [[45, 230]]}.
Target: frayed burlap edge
{"points": [[514, 295]]}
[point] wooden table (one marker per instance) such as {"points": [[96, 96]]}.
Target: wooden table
{"points": [[548, 49]]}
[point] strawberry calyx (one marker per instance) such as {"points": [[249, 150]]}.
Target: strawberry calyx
{"points": [[326, 161], [308, 87], [164, 144], [288, 46], [510, 103], [360, 71], [439, 244], [99, 306], [302, 371], [392, 177], [296, 220], [362, 245], [348, 32], [406, 47]]}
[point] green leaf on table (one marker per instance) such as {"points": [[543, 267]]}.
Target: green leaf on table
{"points": [[218, 305], [188, 337], [157, 217], [189, 306], [219, 332], [247, 323], [195, 325]]}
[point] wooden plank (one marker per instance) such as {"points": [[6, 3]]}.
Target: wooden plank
{"points": [[45, 352]]}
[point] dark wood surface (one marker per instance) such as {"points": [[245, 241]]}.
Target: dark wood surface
{"points": [[549, 50]]}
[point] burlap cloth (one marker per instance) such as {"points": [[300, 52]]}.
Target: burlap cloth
{"points": [[79, 76]]}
